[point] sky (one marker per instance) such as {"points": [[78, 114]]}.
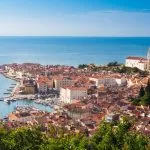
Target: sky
{"points": [[75, 18]]}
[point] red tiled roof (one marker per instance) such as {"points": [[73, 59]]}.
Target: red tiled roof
{"points": [[136, 58]]}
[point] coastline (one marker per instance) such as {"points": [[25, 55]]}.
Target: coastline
{"points": [[9, 103], [7, 76], [14, 79]]}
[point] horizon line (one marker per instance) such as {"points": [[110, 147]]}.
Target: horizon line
{"points": [[74, 36]]}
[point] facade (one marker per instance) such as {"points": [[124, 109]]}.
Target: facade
{"points": [[43, 84], [63, 82], [109, 82], [42, 87], [70, 94], [28, 87], [138, 62]]}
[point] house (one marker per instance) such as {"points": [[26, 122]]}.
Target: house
{"points": [[111, 117], [71, 94], [44, 84], [27, 86]]}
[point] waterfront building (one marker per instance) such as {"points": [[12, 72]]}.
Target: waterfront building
{"points": [[42, 87], [71, 94], [138, 62], [27, 87], [63, 82]]}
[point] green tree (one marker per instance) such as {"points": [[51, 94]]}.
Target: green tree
{"points": [[147, 89], [82, 66], [142, 92], [145, 100], [23, 139]]}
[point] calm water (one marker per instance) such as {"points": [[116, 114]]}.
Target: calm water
{"points": [[5, 108], [70, 50]]}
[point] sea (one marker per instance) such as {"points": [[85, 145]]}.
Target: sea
{"points": [[64, 51], [71, 50]]}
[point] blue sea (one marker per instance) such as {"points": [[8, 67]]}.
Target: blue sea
{"points": [[70, 50]]}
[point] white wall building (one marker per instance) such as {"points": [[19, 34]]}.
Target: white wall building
{"points": [[70, 94], [63, 82], [138, 62], [19, 74], [42, 87], [109, 82]]}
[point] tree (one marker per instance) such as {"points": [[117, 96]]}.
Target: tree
{"points": [[147, 89], [23, 139], [82, 66], [113, 64], [145, 100], [142, 91], [109, 136]]}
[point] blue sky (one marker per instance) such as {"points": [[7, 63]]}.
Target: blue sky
{"points": [[75, 17]]}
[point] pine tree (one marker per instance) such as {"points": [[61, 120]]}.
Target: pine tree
{"points": [[142, 92]]}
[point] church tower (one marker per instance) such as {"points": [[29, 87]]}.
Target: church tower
{"points": [[148, 60]]}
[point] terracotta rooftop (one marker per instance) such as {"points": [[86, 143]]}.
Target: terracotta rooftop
{"points": [[136, 58]]}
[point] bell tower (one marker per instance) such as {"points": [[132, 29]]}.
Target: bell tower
{"points": [[148, 60]]}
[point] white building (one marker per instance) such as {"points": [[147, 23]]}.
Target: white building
{"points": [[70, 94], [111, 117], [109, 82], [63, 82], [42, 87], [138, 62], [19, 74]]}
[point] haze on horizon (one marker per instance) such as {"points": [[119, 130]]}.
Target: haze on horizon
{"points": [[74, 18]]}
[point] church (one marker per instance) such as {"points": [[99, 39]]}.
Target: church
{"points": [[139, 62]]}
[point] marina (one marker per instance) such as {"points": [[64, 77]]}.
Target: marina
{"points": [[8, 104]]}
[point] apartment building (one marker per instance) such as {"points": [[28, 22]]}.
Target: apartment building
{"points": [[109, 82], [71, 94], [63, 82]]}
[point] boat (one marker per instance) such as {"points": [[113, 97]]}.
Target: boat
{"points": [[9, 90], [13, 100], [13, 84], [7, 93], [8, 102], [1, 99], [5, 118], [11, 87]]}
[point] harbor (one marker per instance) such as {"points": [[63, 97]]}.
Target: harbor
{"points": [[9, 102]]}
